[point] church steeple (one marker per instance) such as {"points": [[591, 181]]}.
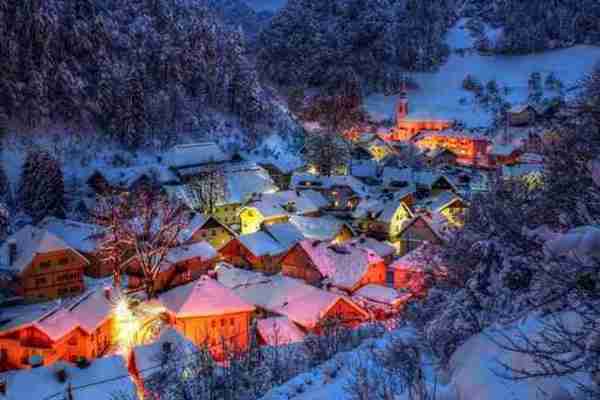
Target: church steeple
{"points": [[402, 107]]}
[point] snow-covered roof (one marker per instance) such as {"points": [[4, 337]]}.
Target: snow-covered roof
{"points": [[420, 258], [261, 244], [439, 202], [303, 304], [101, 380], [80, 236], [519, 108], [325, 228], [244, 181], [316, 198], [279, 331], [202, 250], [197, 222], [125, 177], [201, 298], [344, 265], [384, 207], [286, 234], [30, 242], [381, 294], [328, 182], [148, 357], [194, 154], [382, 249], [283, 203]]}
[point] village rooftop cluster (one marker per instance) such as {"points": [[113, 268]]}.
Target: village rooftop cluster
{"points": [[280, 253]]}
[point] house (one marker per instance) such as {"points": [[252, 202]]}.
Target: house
{"points": [[384, 302], [344, 266], [278, 331], [422, 183], [84, 238], [72, 331], [281, 177], [505, 154], [413, 270], [343, 191], [448, 204], [210, 315], [204, 228], [469, 146], [186, 157], [102, 379], [441, 156], [521, 114], [383, 249], [240, 181], [382, 217], [307, 306], [144, 360], [256, 250], [129, 179], [366, 170], [273, 208], [181, 264], [325, 228], [286, 234], [42, 265], [416, 232]]}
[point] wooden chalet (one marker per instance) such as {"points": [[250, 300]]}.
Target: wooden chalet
{"points": [[414, 233], [308, 307], [78, 330], [203, 228], [181, 265], [39, 265], [210, 315], [344, 266], [383, 217], [256, 250]]}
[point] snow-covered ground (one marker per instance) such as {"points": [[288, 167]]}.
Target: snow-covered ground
{"points": [[475, 371], [440, 92], [266, 5]]}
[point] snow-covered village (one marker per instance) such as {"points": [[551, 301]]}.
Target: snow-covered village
{"points": [[300, 200]]}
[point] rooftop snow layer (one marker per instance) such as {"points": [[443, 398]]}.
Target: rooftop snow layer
{"points": [[201, 298]]}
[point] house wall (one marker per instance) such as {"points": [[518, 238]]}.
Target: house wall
{"points": [[53, 275], [228, 213], [414, 236], [344, 235], [251, 220], [175, 275], [375, 274], [216, 236], [222, 333], [345, 313], [96, 268], [297, 264], [236, 254]]}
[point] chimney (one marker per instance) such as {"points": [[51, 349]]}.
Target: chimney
{"points": [[12, 251]]}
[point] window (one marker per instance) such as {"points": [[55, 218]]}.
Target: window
{"points": [[63, 261], [231, 322], [40, 281], [72, 341], [214, 323], [45, 264], [74, 289], [222, 323]]}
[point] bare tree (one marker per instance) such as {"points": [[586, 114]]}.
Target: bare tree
{"points": [[141, 230], [208, 189]]}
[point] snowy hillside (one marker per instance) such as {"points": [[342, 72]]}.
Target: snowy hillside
{"points": [[439, 94]]}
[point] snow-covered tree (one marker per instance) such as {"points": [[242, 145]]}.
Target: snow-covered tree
{"points": [[327, 152], [42, 188], [141, 230]]}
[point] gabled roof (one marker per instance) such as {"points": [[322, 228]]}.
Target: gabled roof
{"points": [[438, 203], [279, 331], [325, 228], [303, 304], [381, 294], [382, 249], [286, 234], [328, 182], [30, 242], [279, 204], [383, 208], [260, 244], [202, 298], [86, 312], [80, 236], [199, 221], [195, 154], [413, 220], [126, 177], [344, 265]]}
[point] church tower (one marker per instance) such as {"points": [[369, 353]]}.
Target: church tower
{"points": [[402, 107]]}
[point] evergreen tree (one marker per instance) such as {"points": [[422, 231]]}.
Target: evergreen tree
{"points": [[42, 188]]}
